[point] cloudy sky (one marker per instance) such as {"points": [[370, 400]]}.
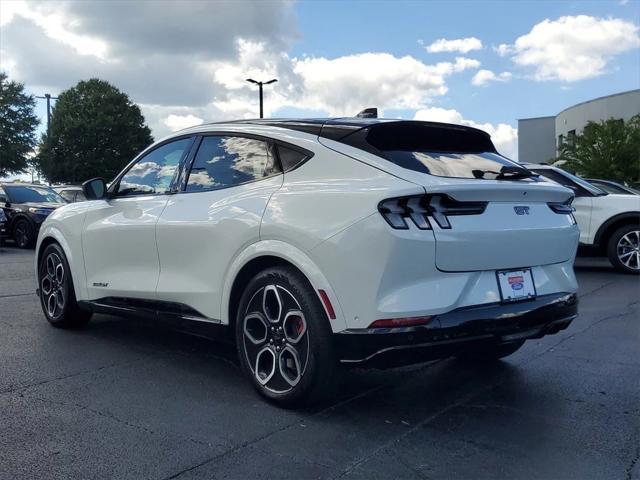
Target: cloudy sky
{"points": [[481, 63]]}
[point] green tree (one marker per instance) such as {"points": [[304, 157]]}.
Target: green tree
{"points": [[95, 131], [17, 126], [609, 149]]}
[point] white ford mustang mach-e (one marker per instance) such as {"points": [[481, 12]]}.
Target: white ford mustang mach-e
{"points": [[318, 242]]}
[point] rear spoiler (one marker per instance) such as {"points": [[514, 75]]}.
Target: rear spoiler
{"points": [[417, 136]]}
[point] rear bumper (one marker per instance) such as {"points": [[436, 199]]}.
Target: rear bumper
{"points": [[457, 331]]}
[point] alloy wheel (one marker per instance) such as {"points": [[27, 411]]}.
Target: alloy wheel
{"points": [[21, 234], [52, 285], [276, 338], [628, 250]]}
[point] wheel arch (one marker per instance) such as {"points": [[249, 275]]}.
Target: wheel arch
{"points": [[50, 234], [269, 253], [611, 225]]}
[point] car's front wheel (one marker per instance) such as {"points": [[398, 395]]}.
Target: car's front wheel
{"points": [[55, 286], [23, 234], [623, 249], [284, 338]]}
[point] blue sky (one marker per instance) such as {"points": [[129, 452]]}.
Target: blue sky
{"points": [[186, 62], [397, 27]]}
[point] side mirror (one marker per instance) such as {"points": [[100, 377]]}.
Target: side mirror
{"points": [[94, 189]]}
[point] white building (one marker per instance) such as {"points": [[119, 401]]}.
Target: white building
{"points": [[539, 138]]}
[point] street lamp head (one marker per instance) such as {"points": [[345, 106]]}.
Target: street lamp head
{"points": [[261, 84]]}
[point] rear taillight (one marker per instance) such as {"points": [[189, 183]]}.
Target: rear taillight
{"points": [[561, 208], [564, 208], [396, 211]]}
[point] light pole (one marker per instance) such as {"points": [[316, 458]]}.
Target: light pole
{"points": [[260, 84], [48, 97]]}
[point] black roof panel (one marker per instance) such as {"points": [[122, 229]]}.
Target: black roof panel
{"points": [[338, 128]]}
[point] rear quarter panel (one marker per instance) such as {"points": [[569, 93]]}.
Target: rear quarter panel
{"points": [[324, 196]]}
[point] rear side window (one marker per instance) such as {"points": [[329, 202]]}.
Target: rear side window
{"points": [[290, 158], [225, 161]]}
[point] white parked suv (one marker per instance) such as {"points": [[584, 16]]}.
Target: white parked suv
{"points": [[319, 242], [609, 224]]}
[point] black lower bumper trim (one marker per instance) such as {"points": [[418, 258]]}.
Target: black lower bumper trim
{"points": [[458, 331]]}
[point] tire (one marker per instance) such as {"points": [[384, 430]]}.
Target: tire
{"points": [[623, 249], [57, 296], [493, 352], [23, 234], [284, 339]]}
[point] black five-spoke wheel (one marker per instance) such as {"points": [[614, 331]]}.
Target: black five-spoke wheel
{"points": [[23, 234], [284, 338]]}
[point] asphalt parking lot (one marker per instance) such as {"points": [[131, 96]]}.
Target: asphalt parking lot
{"points": [[128, 399]]}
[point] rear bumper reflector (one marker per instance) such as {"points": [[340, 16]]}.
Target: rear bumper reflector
{"points": [[327, 304], [400, 322]]}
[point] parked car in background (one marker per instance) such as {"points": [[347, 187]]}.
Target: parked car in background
{"points": [[359, 241], [3, 227], [71, 193], [612, 187], [26, 206], [609, 224]]}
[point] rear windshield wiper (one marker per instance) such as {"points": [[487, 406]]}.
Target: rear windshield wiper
{"points": [[507, 172]]}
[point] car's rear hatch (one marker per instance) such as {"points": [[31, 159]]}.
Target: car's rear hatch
{"points": [[486, 221]]}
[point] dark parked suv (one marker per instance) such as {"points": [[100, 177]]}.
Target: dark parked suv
{"points": [[26, 206], [3, 226]]}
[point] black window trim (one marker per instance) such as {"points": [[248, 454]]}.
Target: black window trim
{"points": [[112, 191], [306, 153], [271, 142]]}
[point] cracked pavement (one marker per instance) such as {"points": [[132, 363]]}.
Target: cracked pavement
{"points": [[130, 399]]}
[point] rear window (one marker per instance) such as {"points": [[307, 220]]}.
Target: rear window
{"points": [[485, 165], [435, 149]]}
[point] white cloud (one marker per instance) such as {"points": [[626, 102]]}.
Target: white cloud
{"points": [[572, 48], [53, 23], [462, 45], [183, 76], [483, 77], [345, 85], [178, 122], [338, 86], [504, 136]]}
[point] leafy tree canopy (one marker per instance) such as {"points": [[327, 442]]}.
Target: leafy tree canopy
{"points": [[609, 149], [95, 131], [18, 124]]}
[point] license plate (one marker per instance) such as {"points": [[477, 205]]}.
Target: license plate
{"points": [[516, 285]]}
